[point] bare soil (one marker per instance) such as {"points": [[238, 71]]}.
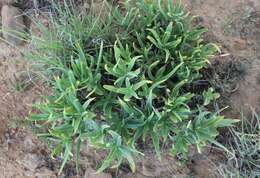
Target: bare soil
{"points": [[233, 24]]}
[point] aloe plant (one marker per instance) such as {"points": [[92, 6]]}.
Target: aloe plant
{"points": [[121, 81]]}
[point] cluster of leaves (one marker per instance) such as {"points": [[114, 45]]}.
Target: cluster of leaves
{"points": [[120, 80]]}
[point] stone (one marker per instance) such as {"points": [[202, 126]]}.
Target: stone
{"points": [[13, 24]]}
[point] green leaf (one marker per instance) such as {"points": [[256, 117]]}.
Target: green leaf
{"points": [[125, 106], [110, 88], [156, 143], [99, 57], [209, 95], [127, 154], [67, 155], [227, 122], [156, 38], [57, 150], [160, 81], [108, 161], [39, 117], [141, 83], [87, 103], [78, 153], [168, 32]]}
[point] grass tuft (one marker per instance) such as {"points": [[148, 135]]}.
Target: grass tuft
{"points": [[244, 143]]}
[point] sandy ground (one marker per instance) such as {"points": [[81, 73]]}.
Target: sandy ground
{"points": [[233, 24]]}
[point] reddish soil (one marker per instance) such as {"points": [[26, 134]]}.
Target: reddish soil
{"points": [[233, 24]]}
